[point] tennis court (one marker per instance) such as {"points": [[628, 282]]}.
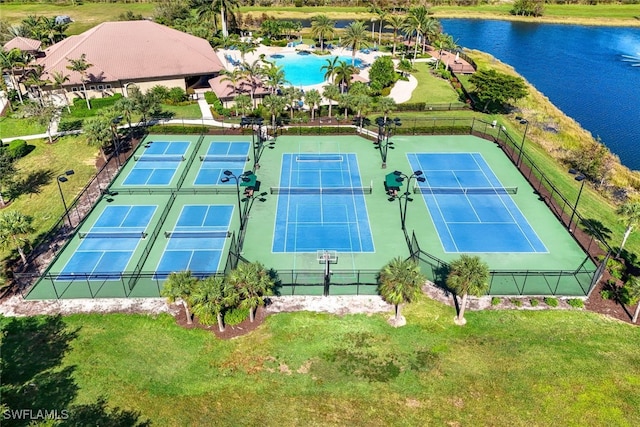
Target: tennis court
{"points": [[221, 156], [471, 209], [107, 247], [321, 204], [158, 164], [197, 240]]}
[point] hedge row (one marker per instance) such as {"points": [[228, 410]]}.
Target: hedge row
{"points": [[67, 125], [17, 148], [178, 129], [313, 130]]}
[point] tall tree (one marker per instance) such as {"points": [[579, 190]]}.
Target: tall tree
{"points": [[629, 214], [179, 286], [343, 74], [468, 275], [210, 297], [81, 66], [226, 8], [415, 24], [293, 96], [126, 107], [312, 98], [345, 101], [245, 48], [322, 27], [35, 81], [355, 36], [253, 72], [253, 282], [12, 61], [386, 104], [331, 92], [275, 77], [99, 134], [15, 227], [274, 104], [42, 113], [497, 88], [395, 22], [633, 291], [330, 69], [243, 103], [399, 283], [59, 79]]}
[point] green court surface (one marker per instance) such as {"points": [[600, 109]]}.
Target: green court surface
{"points": [[301, 272]]}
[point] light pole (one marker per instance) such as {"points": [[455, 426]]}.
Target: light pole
{"points": [[581, 178], [523, 121], [116, 139], [257, 147], [399, 179], [59, 179], [385, 127], [243, 177]]}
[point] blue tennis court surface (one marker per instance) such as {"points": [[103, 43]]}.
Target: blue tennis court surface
{"points": [[107, 248], [308, 220], [222, 156], [158, 164], [467, 222], [197, 241]]}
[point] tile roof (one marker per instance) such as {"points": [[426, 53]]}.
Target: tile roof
{"points": [[132, 50], [22, 43], [224, 89]]}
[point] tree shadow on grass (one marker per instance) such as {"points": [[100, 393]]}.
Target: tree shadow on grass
{"points": [[596, 229], [32, 183], [35, 384]]}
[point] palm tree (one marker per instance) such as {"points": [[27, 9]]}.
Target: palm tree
{"points": [[322, 27], [253, 72], [415, 23], [98, 132], [331, 92], [442, 41], [253, 283], [382, 17], [225, 7], [242, 103], [35, 80], [431, 31], [126, 107], [245, 48], [395, 22], [362, 103], [233, 77], [179, 286], [81, 66], [345, 100], [274, 75], [330, 68], [629, 214], [209, 299], [274, 104], [14, 229], [59, 79], [11, 61], [633, 289], [468, 275], [355, 36], [399, 283], [292, 97], [343, 73], [312, 98], [386, 104]]}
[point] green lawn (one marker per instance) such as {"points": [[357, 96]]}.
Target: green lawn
{"points": [[431, 89], [10, 126], [40, 168], [505, 368]]}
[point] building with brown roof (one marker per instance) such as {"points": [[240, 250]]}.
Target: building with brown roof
{"points": [[125, 53], [24, 44]]}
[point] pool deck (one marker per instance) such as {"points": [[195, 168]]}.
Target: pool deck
{"points": [[401, 92]]}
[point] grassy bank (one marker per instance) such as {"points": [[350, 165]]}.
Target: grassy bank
{"points": [[317, 369]]}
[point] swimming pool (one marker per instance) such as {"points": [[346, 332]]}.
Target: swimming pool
{"points": [[304, 70]]}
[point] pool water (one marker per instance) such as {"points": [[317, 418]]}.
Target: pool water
{"points": [[305, 70]]}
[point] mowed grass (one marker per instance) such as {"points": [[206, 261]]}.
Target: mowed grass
{"points": [[40, 169], [431, 89], [510, 368], [11, 126]]}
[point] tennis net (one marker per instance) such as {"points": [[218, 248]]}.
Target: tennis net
{"points": [[221, 158], [112, 234], [325, 190], [319, 158], [159, 158], [465, 190], [197, 234]]}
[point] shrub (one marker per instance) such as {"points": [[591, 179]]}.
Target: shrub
{"points": [[575, 303], [551, 302], [67, 125], [80, 110], [616, 268], [18, 148], [178, 129], [176, 95], [534, 302], [235, 316], [516, 302], [495, 301]]}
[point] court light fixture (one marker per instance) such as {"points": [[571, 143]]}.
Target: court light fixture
{"points": [[63, 178]]}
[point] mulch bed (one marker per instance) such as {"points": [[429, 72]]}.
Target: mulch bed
{"points": [[229, 332], [607, 307]]}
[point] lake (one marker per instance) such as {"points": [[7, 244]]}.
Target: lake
{"points": [[587, 72]]}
